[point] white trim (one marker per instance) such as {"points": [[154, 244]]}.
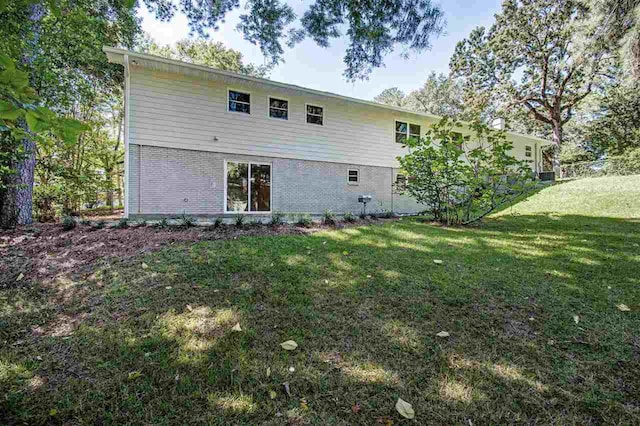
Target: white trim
{"points": [[115, 55], [357, 182], [323, 116], [127, 113], [244, 92], [249, 163], [280, 98]]}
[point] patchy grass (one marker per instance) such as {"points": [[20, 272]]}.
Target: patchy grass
{"points": [[154, 344]]}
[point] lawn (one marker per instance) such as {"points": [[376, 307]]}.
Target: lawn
{"points": [[529, 299]]}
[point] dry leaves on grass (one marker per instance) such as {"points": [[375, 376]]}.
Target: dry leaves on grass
{"points": [[405, 409], [443, 334], [623, 308], [289, 345], [237, 327]]}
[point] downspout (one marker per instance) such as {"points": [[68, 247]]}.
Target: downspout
{"points": [[127, 89]]}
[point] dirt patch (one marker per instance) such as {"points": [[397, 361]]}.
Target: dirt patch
{"points": [[47, 254]]}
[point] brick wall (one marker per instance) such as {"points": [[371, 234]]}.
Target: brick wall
{"points": [[168, 181]]}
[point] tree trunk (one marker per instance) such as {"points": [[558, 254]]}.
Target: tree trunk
{"points": [[24, 195], [557, 143], [108, 173], [17, 198]]}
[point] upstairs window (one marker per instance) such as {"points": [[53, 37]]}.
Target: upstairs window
{"points": [[315, 115], [459, 140], [527, 151], [279, 108], [239, 102], [401, 132], [414, 131], [353, 176], [405, 130]]}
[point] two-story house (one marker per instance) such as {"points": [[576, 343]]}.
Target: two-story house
{"points": [[205, 142]]}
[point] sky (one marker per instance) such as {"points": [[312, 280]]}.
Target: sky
{"points": [[314, 67]]}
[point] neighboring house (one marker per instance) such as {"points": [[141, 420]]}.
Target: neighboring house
{"points": [[205, 142]]}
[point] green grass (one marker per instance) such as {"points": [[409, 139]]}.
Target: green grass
{"points": [[154, 345]]}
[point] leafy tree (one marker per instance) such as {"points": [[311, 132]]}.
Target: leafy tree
{"points": [[439, 95], [22, 123], [373, 28], [532, 58], [393, 97], [619, 21], [616, 128], [460, 181], [205, 52]]}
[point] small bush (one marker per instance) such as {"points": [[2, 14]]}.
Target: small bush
{"points": [[122, 223], [304, 220], [362, 215], [217, 223], [349, 217], [187, 221], [100, 224], [68, 223], [277, 218], [329, 217], [239, 220], [385, 214], [141, 224], [85, 221], [162, 223]]}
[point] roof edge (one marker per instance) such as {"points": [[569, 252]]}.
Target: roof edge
{"points": [[116, 55]]}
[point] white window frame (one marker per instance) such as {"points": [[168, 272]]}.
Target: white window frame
{"points": [[280, 98], [408, 132], [357, 182], [257, 163], [324, 116], [244, 92]]}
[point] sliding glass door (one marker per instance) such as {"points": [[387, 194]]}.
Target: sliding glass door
{"points": [[248, 187]]}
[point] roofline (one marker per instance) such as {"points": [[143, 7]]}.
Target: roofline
{"points": [[114, 51]]}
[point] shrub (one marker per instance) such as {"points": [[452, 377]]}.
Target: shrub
{"points": [[239, 220], [304, 220], [187, 221], [328, 217], [100, 224], [349, 217], [277, 218], [141, 224], [461, 184], [362, 215], [68, 223], [217, 223], [385, 214], [85, 221], [122, 223], [162, 223]]}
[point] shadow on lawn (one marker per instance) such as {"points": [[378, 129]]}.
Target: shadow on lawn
{"points": [[154, 345]]}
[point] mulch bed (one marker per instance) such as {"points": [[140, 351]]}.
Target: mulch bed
{"points": [[44, 252]]}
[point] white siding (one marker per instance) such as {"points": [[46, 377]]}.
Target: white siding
{"points": [[180, 111]]}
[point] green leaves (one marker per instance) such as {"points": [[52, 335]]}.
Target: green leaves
{"points": [[8, 111]]}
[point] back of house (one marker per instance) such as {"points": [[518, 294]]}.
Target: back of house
{"points": [[205, 142]]}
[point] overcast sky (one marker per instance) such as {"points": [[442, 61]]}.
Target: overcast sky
{"points": [[318, 68]]}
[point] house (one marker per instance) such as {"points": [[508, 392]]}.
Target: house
{"points": [[205, 142]]}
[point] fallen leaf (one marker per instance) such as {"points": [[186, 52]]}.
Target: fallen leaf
{"points": [[168, 287], [355, 408], [53, 412], [326, 281], [289, 345], [292, 369], [443, 334], [237, 327], [134, 375], [268, 371], [405, 409], [272, 394], [437, 261], [368, 276], [576, 319], [144, 265], [20, 277], [303, 404], [346, 253], [622, 307]]}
